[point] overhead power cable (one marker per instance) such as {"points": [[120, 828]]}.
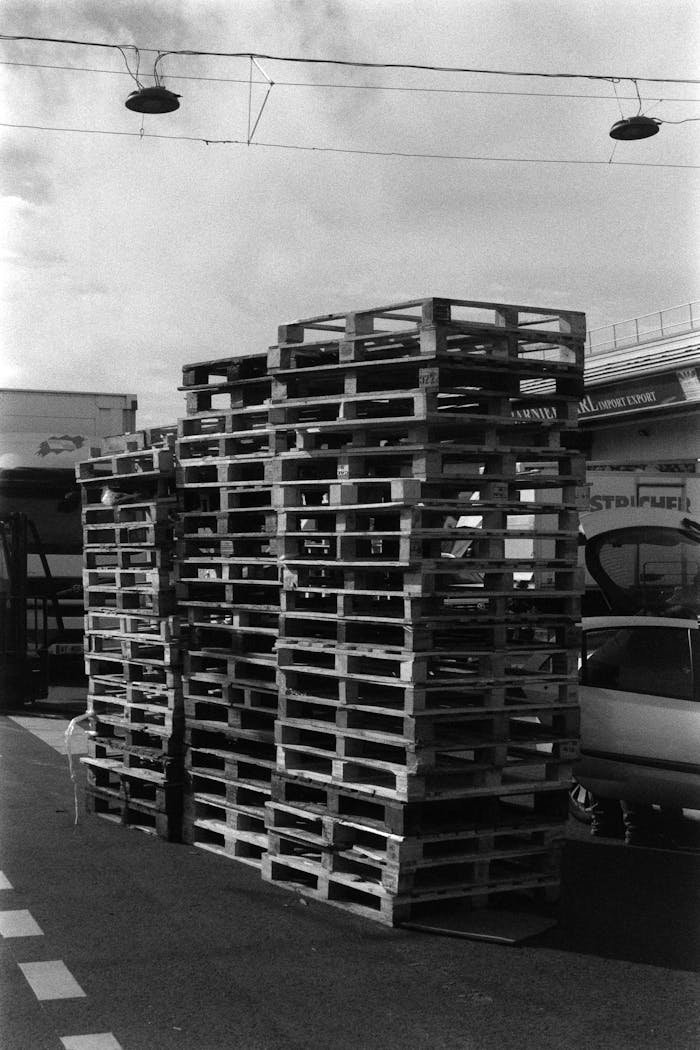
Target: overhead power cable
{"points": [[347, 87], [348, 150], [351, 64]]}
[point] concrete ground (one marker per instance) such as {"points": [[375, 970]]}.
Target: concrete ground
{"points": [[173, 948]]}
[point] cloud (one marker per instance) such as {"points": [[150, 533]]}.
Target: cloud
{"points": [[24, 172]]}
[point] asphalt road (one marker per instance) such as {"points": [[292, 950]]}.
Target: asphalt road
{"points": [[180, 949]]}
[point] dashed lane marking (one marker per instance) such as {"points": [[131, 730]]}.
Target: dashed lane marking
{"points": [[52, 732], [98, 1041], [5, 883], [19, 923], [51, 980]]}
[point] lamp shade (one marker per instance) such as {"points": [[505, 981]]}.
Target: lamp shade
{"points": [[634, 128], [153, 100]]}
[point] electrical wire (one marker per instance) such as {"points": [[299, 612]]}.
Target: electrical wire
{"points": [[349, 150], [347, 87], [353, 64]]}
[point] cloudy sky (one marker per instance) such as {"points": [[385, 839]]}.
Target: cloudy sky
{"points": [[126, 256]]}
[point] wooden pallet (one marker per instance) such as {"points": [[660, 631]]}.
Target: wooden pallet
{"points": [[444, 725], [311, 824], [203, 447], [423, 634], [389, 463], [199, 712], [136, 746], [136, 490], [143, 578], [246, 472], [400, 320], [485, 369], [328, 687], [228, 524], [246, 844], [159, 510], [231, 619], [202, 811], [116, 808], [112, 556], [138, 441], [263, 594], [370, 661], [256, 670], [214, 788], [251, 547], [146, 691], [451, 522], [233, 422], [230, 762], [229, 694], [333, 460], [421, 879], [108, 664], [436, 815], [397, 606], [464, 744], [133, 648], [479, 553], [144, 626], [348, 891], [250, 393], [154, 541], [224, 370], [142, 463], [139, 716], [390, 779]]}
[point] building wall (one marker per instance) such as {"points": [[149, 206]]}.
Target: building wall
{"points": [[674, 436], [55, 429]]}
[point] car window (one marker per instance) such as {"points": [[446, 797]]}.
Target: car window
{"points": [[654, 661], [648, 569]]}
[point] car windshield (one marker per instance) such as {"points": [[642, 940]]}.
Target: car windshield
{"points": [[652, 660], [648, 569]]}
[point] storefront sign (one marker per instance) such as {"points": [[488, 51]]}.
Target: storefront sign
{"points": [[654, 391]]}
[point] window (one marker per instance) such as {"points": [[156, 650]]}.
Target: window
{"points": [[654, 661], [646, 568]]}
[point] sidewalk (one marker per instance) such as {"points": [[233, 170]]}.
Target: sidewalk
{"points": [[179, 949]]}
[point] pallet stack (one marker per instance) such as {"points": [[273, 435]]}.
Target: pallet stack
{"points": [[228, 592], [134, 764], [427, 704]]}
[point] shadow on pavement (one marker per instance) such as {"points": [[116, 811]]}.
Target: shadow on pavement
{"points": [[618, 902], [633, 904]]}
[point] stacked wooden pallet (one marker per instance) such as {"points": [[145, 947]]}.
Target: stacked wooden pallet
{"points": [[228, 592], [134, 765], [427, 704]]}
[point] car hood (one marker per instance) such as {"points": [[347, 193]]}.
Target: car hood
{"points": [[644, 561]]}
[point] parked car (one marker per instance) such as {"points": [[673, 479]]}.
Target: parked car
{"points": [[640, 665], [640, 709]]}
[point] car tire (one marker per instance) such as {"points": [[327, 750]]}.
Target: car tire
{"points": [[580, 803]]}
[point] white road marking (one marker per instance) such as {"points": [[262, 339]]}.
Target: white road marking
{"points": [[98, 1041], [5, 883], [19, 924], [51, 980], [52, 732]]}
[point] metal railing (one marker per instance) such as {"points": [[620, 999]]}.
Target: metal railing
{"points": [[661, 324]]}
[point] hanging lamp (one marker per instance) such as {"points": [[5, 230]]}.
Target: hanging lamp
{"points": [[632, 128], [153, 100]]}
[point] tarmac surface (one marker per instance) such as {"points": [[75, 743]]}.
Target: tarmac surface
{"points": [[149, 945]]}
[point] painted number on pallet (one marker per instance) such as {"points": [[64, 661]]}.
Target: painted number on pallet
{"points": [[429, 378]]}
